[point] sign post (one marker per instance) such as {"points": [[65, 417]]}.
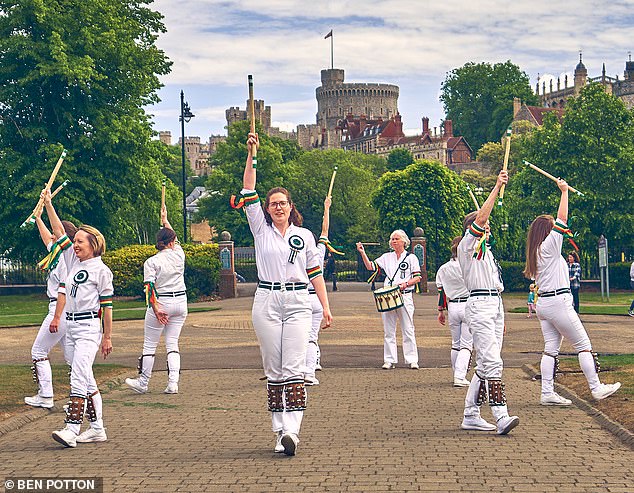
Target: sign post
{"points": [[603, 267]]}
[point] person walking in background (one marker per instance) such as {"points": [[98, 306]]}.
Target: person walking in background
{"points": [[166, 297], [532, 294], [403, 270], [557, 317], [574, 270], [631, 310]]}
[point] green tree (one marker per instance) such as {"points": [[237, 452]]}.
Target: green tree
{"points": [[399, 159], [593, 149], [351, 215], [226, 179], [77, 75], [425, 194], [478, 98]]}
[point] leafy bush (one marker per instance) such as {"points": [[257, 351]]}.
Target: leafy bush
{"points": [[620, 275], [202, 269]]}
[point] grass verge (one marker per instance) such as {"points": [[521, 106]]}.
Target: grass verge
{"points": [[617, 368], [16, 383]]}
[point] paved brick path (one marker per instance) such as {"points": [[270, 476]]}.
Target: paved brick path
{"points": [[366, 429]]}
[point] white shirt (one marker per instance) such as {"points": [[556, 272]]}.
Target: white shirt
{"points": [[552, 269], [88, 285], [632, 272], [276, 261], [478, 274], [56, 275], [449, 279], [398, 269], [166, 270]]}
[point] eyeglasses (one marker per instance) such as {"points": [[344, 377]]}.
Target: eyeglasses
{"points": [[282, 204]]}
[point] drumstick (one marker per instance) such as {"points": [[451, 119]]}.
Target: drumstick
{"points": [[252, 106], [506, 163], [473, 197], [49, 184], [332, 182], [548, 175]]}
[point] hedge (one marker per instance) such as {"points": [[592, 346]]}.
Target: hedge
{"points": [[202, 269], [620, 275]]}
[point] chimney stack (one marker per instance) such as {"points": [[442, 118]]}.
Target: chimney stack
{"points": [[448, 128], [425, 125]]}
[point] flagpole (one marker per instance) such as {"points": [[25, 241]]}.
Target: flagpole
{"points": [[332, 51]]}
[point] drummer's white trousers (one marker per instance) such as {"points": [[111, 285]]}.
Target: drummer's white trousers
{"points": [[405, 316]]}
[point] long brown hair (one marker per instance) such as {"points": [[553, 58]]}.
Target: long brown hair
{"points": [[454, 246], [295, 217], [540, 228]]}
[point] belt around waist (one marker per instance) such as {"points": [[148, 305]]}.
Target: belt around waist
{"points": [[484, 292], [464, 299], [52, 300], [279, 286], [311, 290], [171, 295], [548, 294], [74, 316]]}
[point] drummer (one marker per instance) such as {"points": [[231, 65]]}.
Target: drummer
{"points": [[401, 270]]}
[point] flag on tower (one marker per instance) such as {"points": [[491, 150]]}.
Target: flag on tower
{"points": [[328, 35]]}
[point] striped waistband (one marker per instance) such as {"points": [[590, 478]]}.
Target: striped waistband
{"points": [[172, 294], [548, 294], [74, 316], [311, 290], [51, 300], [279, 286], [484, 292], [460, 300]]}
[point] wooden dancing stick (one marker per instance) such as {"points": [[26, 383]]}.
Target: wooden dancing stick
{"points": [[548, 175], [60, 188], [473, 197], [49, 184], [332, 182], [163, 196], [252, 107], [505, 166]]}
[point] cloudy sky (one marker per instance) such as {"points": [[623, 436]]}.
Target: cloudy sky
{"points": [[214, 44]]}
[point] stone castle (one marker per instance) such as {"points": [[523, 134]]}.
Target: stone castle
{"points": [[557, 96]]}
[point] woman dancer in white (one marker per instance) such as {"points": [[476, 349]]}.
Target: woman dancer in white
{"points": [[86, 294], [313, 353], [166, 297], [55, 266], [287, 260], [453, 296], [555, 310], [402, 269]]}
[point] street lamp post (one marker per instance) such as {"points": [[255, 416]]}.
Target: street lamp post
{"points": [[186, 116]]}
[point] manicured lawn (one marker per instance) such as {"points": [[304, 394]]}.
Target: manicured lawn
{"points": [[589, 303], [31, 310]]}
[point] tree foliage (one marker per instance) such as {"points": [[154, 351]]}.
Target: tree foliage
{"points": [[399, 159], [593, 149], [478, 98], [76, 75], [425, 194]]}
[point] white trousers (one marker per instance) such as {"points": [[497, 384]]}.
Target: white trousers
{"points": [[281, 320], [461, 339], [405, 316], [176, 308], [83, 340], [42, 346], [485, 317], [559, 319], [312, 351]]}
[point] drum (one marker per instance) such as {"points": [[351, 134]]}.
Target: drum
{"points": [[388, 298]]}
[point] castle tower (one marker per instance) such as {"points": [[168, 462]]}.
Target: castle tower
{"points": [[629, 69], [337, 99], [581, 75]]}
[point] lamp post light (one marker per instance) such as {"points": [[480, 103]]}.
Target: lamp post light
{"points": [[186, 116]]}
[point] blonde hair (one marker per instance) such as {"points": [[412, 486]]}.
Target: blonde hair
{"points": [[95, 238], [540, 228]]}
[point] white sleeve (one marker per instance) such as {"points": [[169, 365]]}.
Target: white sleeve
{"points": [[253, 210], [150, 271]]}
